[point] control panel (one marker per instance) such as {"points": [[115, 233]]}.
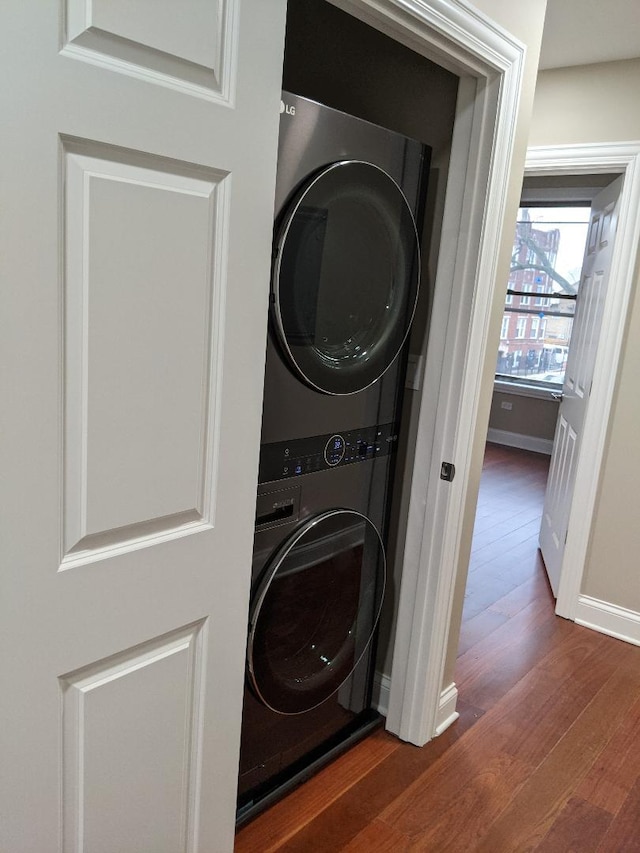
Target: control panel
{"points": [[301, 456]]}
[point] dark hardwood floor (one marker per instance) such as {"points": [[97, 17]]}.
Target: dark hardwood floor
{"points": [[546, 753]]}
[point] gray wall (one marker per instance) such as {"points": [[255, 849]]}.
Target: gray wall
{"points": [[529, 416]]}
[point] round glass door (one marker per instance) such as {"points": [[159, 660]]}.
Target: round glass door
{"points": [[315, 611], [346, 277]]}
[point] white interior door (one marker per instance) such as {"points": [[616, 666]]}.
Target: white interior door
{"points": [[578, 378], [138, 168]]}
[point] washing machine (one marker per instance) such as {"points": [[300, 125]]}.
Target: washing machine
{"points": [[345, 277]]}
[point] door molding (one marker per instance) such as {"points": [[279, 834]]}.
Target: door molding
{"points": [[622, 158], [490, 65]]}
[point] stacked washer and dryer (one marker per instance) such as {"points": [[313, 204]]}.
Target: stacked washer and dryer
{"points": [[346, 266]]}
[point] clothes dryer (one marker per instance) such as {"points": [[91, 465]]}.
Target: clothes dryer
{"points": [[346, 269], [346, 266]]}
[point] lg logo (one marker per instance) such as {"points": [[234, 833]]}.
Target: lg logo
{"points": [[287, 108]]}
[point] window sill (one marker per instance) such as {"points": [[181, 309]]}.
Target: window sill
{"points": [[521, 389]]}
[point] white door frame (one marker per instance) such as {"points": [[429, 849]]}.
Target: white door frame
{"points": [[490, 65], [622, 158], [436, 554]]}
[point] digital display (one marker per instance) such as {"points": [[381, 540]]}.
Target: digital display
{"points": [[334, 450]]}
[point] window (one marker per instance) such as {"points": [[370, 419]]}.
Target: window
{"points": [[543, 328], [535, 326], [540, 300], [546, 263]]}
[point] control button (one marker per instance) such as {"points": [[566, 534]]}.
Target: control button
{"points": [[334, 450]]}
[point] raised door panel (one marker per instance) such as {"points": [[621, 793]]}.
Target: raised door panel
{"points": [[142, 295], [590, 305], [108, 752], [187, 46], [559, 479], [557, 500]]}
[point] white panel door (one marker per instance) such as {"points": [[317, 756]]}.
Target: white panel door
{"points": [[138, 171], [578, 377]]}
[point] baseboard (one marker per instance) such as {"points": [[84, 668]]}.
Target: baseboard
{"points": [[609, 619], [380, 696], [524, 442], [447, 713]]}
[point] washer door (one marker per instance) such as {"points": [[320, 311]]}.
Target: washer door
{"points": [[315, 611], [346, 277]]}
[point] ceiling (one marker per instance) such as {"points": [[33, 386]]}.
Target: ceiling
{"points": [[581, 32]]}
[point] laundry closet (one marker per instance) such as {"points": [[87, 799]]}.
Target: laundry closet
{"points": [[365, 135]]}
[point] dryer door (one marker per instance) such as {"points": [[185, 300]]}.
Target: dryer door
{"points": [[315, 611], [346, 274]]}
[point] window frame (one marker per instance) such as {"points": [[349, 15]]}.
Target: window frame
{"points": [[542, 302]]}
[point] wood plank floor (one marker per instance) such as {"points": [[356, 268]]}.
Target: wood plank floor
{"points": [[546, 753]]}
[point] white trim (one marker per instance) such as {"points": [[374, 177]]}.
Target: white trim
{"points": [[448, 699], [416, 688], [618, 622], [490, 64], [453, 33], [474, 210], [447, 713], [524, 442], [380, 697], [621, 158]]}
